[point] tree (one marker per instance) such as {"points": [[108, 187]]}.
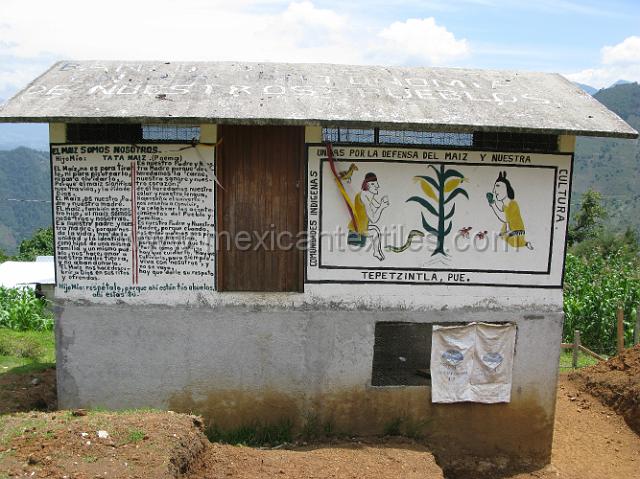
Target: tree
{"points": [[40, 244], [609, 244], [587, 222]]}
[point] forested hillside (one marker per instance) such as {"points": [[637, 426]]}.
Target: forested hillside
{"points": [[612, 166], [24, 175]]}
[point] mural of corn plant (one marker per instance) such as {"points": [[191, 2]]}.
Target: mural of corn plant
{"points": [[440, 191]]}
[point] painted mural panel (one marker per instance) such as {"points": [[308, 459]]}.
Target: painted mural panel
{"points": [[425, 216], [133, 220]]}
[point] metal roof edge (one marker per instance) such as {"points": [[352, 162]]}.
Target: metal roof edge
{"points": [[632, 135], [616, 128], [439, 127]]}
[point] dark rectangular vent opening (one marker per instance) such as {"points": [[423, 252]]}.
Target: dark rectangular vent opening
{"points": [[104, 133], [507, 141], [401, 354], [349, 135]]}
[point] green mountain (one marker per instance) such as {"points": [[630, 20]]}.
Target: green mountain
{"points": [[25, 195], [588, 88], [612, 166]]}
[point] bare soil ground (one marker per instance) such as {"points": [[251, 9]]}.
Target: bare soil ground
{"points": [[616, 383], [28, 392], [371, 459], [62, 445], [591, 442]]}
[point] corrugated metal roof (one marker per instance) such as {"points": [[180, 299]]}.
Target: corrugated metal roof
{"points": [[313, 94], [14, 274]]}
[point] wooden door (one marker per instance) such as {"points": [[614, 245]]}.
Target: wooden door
{"points": [[260, 169]]}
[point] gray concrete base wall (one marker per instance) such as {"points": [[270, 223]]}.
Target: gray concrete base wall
{"points": [[236, 365]]}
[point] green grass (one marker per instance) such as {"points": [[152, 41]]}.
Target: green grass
{"points": [[139, 410], [29, 427], [256, 434], [26, 351], [393, 427], [136, 435], [566, 360]]}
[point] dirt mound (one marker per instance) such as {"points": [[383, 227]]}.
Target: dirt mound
{"points": [[35, 391], [91, 445], [616, 383], [590, 442], [393, 458]]}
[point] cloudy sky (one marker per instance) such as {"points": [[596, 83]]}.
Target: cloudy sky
{"points": [[592, 42]]}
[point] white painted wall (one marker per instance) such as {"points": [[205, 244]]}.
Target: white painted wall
{"points": [[367, 285]]}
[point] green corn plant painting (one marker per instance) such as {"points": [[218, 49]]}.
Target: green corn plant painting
{"points": [[441, 190]]}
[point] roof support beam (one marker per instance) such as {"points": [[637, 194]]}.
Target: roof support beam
{"points": [[566, 143], [208, 133], [313, 134], [57, 132]]}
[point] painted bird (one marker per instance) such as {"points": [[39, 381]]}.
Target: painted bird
{"points": [[347, 174], [481, 235]]}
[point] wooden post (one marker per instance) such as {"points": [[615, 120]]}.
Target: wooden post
{"points": [[636, 331], [620, 330], [576, 348]]}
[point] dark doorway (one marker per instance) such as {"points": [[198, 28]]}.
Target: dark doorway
{"points": [[260, 207]]}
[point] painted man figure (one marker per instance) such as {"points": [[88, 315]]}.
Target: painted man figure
{"points": [[368, 210]]}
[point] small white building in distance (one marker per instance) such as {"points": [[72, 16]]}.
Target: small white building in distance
{"points": [[39, 275]]}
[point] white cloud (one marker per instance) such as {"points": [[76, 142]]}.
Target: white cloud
{"points": [[605, 77], [618, 62], [420, 41], [628, 51], [34, 32], [161, 29], [301, 33]]}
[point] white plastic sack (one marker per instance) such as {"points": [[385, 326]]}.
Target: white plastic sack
{"points": [[472, 362], [451, 362]]}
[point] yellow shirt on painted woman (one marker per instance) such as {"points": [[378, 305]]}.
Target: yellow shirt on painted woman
{"points": [[514, 224]]}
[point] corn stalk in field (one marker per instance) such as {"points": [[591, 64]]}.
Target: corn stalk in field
{"points": [[594, 288], [21, 310], [439, 192]]}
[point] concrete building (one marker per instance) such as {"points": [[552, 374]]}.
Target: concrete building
{"points": [[286, 241]]}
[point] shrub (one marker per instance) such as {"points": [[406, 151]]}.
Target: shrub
{"points": [[21, 310], [40, 244]]}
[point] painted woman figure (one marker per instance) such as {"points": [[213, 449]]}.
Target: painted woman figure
{"points": [[505, 207], [368, 210]]}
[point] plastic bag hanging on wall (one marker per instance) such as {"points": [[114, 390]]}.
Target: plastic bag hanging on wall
{"points": [[472, 362]]}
